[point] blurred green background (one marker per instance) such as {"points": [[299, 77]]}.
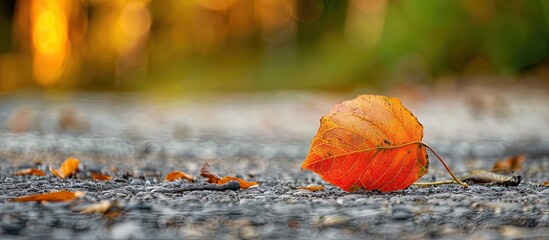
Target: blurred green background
{"points": [[243, 45]]}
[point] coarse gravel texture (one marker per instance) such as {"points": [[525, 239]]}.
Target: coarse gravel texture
{"points": [[139, 142]]}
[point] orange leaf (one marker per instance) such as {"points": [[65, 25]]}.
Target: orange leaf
{"points": [[50, 197], [176, 175], [213, 178], [243, 183], [370, 142], [205, 172], [100, 177], [513, 163], [30, 171], [312, 188], [67, 168], [546, 183]]}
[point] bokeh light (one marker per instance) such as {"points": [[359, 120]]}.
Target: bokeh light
{"points": [[49, 40], [241, 45]]}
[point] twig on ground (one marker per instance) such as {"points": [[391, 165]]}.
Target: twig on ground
{"points": [[232, 185]]}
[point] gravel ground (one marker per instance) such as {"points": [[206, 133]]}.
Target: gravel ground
{"points": [[138, 150]]}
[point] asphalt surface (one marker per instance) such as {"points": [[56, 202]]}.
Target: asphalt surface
{"points": [[263, 140]]}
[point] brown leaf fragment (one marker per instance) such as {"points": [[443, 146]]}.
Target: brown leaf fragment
{"points": [[490, 178], [243, 183], [30, 171], [177, 175], [312, 188], [100, 177], [546, 183], [205, 172], [50, 197], [109, 209], [67, 169], [513, 163], [213, 178]]}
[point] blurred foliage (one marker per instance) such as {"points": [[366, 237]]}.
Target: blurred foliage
{"points": [[224, 45]]}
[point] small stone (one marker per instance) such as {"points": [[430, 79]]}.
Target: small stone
{"points": [[400, 214]]}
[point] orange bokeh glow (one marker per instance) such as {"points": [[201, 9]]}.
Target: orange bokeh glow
{"points": [[50, 45]]}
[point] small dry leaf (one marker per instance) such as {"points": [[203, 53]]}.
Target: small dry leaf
{"points": [[100, 177], [243, 183], [546, 183], [30, 171], [67, 168], [177, 175], [312, 188], [50, 197], [205, 172], [109, 209], [513, 163], [490, 178], [213, 178]]}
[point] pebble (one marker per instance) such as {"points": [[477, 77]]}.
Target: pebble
{"points": [[400, 214]]}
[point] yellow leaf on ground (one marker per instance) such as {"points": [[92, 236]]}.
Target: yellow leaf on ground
{"points": [[177, 175], [50, 197], [67, 169]]}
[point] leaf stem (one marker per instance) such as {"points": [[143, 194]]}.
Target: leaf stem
{"points": [[446, 166], [426, 184]]}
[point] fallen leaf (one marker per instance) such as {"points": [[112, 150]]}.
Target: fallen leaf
{"points": [[109, 208], [546, 183], [480, 177], [205, 172], [30, 171], [50, 197], [177, 175], [312, 188], [243, 183], [490, 178], [513, 163], [67, 168], [370, 142], [213, 178], [100, 177]]}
